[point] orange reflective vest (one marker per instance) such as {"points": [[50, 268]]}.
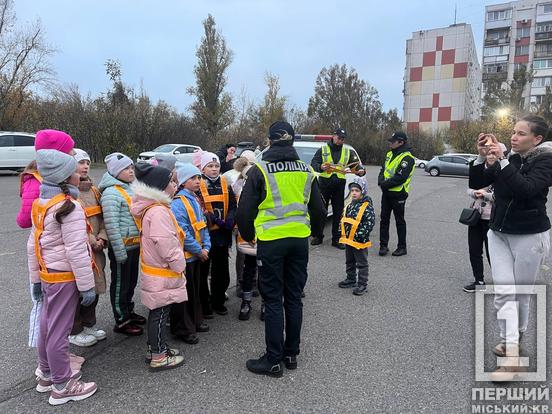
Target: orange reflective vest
{"points": [[350, 241], [196, 225], [208, 200], [129, 240], [94, 210], [160, 271], [38, 214]]}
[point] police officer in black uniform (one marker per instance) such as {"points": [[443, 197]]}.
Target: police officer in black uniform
{"points": [[394, 181], [279, 204]]}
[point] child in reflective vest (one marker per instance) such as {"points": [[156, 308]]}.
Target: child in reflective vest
{"points": [[187, 318], [356, 224], [84, 333], [247, 252], [219, 204], [162, 261], [124, 241], [60, 267]]}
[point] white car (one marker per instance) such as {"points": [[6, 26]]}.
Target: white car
{"points": [[182, 152], [420, 163], [16, 150]]}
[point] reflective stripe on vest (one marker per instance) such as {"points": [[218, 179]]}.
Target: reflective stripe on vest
{"points": [[354, 222], [135, 239], [327, 158], [160, 271], [196, 225], [38, 215], [391, 167], [93, 210], [208, 200], [284, 213]]}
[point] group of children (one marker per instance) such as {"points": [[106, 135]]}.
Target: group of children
{"points": [[170, 222]]}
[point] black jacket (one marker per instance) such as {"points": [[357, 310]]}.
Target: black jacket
{"points": [[254, 192], [401, 173], [316, 164], [520, 190], [223, 235]]}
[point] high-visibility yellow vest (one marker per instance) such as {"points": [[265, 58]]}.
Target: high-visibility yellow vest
{"points": [[208, 200], [129, 240], [160, 271], [283, 213], [391, 167], [354, 222], [38, 215], [197, 225], [327, 158]]}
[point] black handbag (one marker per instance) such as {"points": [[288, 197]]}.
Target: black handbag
{"points": [[470, 216]]}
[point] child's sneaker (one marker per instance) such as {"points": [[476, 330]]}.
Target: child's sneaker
{"points": [[170, 351], [99, 334], [82, 339], [347, 283], [360, 290], [44, 382], [165, 361], [74, 390], [245, 310]]}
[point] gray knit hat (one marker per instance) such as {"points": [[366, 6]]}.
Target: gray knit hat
{"points": [[167, 161], [55, 166], [116, 163]]}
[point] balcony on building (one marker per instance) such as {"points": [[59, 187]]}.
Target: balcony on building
{"points": [[543, 31], [543, 50], [497, 37]]}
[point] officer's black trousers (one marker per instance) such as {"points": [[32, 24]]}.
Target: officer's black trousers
{"points": [[393, 203], [335, 192], [282, 277]]}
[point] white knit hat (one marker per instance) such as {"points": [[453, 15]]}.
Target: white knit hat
{"points": [[206, 158], [81, 155]]}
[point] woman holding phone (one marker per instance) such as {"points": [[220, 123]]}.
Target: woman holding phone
{"points": [[519, 226]]}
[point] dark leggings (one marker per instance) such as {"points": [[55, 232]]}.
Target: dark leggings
{"points": [[477, 237]]}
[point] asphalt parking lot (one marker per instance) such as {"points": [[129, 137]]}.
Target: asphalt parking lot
{"points": [[406, 346]]}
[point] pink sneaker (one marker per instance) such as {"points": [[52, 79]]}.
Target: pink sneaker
{"points": [[44, 382], [76, 359], [74, 390]]}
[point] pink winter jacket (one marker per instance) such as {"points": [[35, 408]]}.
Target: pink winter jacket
{"points": [[64, 247], [29, 192], [160, 248]]}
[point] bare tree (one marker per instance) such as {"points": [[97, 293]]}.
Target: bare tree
{"points": [[24, 63], [212, 108]]}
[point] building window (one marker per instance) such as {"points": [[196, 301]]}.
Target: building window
{"points": [[536, 99], [499, 15], [547, 8], [496, 51], [522, 50], [544, 27], [523, 32], [497, 35], [542, 64], [542, 82], [496, 68]]}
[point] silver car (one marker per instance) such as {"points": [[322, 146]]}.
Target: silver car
{"points": [[448, 164]]}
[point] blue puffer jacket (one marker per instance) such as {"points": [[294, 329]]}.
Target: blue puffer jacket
{"points": [[191, 245], [119, 223]]}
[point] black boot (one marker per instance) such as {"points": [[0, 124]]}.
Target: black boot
{"points": [[264, 367], [315, 241], [347, 283], [383, 251], [245, 309], [399, 252]]}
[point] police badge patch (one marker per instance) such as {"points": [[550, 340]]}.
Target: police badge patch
{"points": [[404, 164]]}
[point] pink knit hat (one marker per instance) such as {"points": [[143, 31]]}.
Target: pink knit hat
{"points": [[206, 158], [55, 140]]}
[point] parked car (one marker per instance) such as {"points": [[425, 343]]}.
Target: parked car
{"points": [[182, 152], [420, 163], [448, 164], [16, 150], [244, 145]]}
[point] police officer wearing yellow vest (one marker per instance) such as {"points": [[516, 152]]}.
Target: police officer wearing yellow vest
{"points": [[332, 184], [279, 205], [394, 180]]}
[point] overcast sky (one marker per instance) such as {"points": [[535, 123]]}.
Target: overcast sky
{"points": [[155, 41]]}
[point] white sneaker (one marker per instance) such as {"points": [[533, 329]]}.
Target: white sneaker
{"points": [[82, 339], [99, 334]]}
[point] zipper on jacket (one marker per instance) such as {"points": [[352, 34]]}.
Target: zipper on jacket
{"points": [[505, 214]]}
